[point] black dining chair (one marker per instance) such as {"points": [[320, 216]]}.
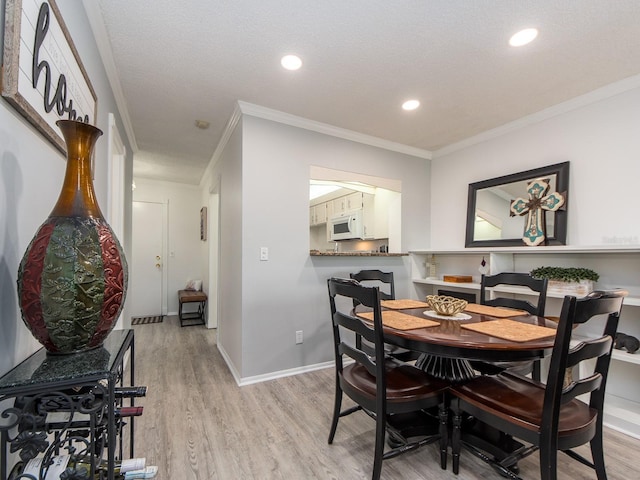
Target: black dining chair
{"points": [[548, 417], [535, 285], [381, 386], [384, 280]]}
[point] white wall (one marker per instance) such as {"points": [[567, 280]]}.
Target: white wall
{"points": [[31, 174], [184, 247], [600, 140], [271, 300]]}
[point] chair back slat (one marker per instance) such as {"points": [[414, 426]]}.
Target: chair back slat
{"points": [[376, 278], [580, 387], [589, 349], [537, 285], [359, 356], [354, 324]]}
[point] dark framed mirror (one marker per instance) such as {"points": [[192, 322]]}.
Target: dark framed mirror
{"points": [[489, 219]]}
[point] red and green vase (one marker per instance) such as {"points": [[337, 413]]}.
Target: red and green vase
{"points": [[72, 280]]}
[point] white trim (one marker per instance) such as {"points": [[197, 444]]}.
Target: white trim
{"points": [[241, 382], [594, 96], [116, 153], [285, 373], [96, 21], [224, 139], [324, 128]]}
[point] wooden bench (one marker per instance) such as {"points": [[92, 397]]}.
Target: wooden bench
{"points": [[194, 317]]}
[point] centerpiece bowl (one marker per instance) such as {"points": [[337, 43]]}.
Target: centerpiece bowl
{"points": [[445, 305]]}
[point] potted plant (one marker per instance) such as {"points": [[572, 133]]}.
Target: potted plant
{"points": [[567, 280]]}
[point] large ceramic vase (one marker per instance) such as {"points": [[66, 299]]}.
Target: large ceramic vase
{"points": [[72, 280]]}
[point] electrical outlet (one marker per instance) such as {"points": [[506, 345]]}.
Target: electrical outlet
{"points": [[298, 337], [264, 254]]}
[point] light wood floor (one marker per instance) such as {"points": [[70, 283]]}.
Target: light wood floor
{"points": [[197, 424]]}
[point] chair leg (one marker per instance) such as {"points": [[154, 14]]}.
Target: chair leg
{"points": [[456, 435], [597, 454], [336, 411], [381, 423], [444, 434], [548, 460]]}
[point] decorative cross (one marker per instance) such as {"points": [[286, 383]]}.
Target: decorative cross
{"points": [[535, 208]]}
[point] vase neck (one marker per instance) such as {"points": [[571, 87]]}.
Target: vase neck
{"points": [[77, 197]]}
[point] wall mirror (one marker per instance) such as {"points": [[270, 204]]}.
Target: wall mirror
{"points": [[489, 223], [335, 192]]}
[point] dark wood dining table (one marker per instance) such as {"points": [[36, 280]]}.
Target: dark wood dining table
{"points": [[448, 347]]}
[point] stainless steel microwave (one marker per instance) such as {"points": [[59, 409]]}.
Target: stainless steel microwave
{"points": [[347, 226]]}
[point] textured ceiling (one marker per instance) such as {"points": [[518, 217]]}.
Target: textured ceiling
{"points": [[193, 59]]}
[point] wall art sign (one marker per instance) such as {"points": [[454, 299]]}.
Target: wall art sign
{"points": [[42, 74]]}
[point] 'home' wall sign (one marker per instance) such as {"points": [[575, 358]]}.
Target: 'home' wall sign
{"points": [[42, 75]]}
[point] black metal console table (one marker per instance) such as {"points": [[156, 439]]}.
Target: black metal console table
{"points": [[67, 404]]}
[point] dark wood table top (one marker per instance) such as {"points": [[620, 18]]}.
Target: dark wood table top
{"points": [[450, 340]]}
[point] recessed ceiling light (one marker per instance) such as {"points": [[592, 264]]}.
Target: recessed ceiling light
{"points": [[523, 37], [291, 62], [411, 104]]}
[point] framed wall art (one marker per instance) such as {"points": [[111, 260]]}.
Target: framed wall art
{"points": [[42, 75], [203, 224]]}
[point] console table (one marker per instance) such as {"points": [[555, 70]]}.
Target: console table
{"points": [[67, 404]]}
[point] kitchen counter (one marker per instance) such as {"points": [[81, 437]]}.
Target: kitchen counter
{"points": [[367, 253]]}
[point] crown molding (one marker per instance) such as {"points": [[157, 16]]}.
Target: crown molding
{"points": [[224, 139], [594, 96], [326, 129]]}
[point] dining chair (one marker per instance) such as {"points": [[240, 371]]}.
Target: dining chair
{"points": [[382, 280], [536, 285], [548, 417], [381, 386]]}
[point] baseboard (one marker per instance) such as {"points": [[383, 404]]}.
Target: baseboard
{"points": [[241, 382]]}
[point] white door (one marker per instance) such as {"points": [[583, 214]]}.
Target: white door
{"points": [[147, 265]]}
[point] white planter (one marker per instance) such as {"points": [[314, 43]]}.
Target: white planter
{"points": [[579, 289]]}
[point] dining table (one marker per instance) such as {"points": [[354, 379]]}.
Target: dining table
{"points": [[450, 344], [478, 333]]}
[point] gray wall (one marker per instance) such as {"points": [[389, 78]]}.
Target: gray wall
{"points": [[273, 299]]}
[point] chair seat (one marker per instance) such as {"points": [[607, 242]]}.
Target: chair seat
{"points": [[405, 383], [521, 399]]}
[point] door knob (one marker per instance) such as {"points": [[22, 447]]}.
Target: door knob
{"points": [[158, 257], [157, 265]]}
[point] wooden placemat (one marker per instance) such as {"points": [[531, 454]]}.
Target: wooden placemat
{"points": [[511, 330], [498, 312], [401, 321], [403, 303]]}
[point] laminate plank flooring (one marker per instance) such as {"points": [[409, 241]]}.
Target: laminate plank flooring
{"points": [[199, 425]]}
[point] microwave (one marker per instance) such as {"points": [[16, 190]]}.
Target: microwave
{"points": [[347, 226]]}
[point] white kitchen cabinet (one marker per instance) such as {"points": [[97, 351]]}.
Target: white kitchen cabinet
{"points": [[618, 267], [318, 214]]}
